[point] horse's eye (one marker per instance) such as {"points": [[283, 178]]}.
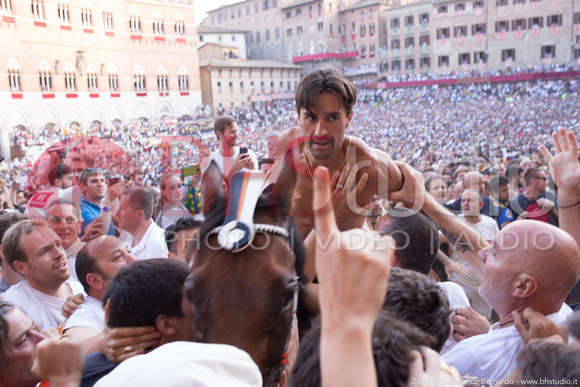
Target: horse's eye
{"points": [[289, 297]]}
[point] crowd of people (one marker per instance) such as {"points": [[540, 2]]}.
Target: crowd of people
{"points": [[434, 240]]}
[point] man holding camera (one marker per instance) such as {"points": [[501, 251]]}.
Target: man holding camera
{"points": [[229, 157]]}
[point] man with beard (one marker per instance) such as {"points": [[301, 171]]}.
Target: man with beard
{"points": [[375, 212], [229, 157], [324, 102]]}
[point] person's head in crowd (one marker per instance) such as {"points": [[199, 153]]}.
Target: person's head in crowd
{"points": [[542, 361], [65, 218], [471, 203], [34, 250], [264, 164], [489, 172], [500, 167], [137, 179], [171, 190], [178, 237], [376, 208], [536, 158], [149, 293], [458, 190], [474, 180], [513, 175], [78, 163], [535, 179], [459, 172], [435, 185], [19, 336], [392, 342], [518, 268], [416, 238], [416, 299], [60, 175], [499, 188], [447, 177], [226, 130], [135, 209], [526, 163], [99, 261], [156, 195], [7, 219], [93, 184], [319, 92], [450, 190]]}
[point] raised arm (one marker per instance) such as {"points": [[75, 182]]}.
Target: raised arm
{"points": [[466, 241], [565, 170]]}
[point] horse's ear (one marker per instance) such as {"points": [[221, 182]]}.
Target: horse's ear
{"points": [[211, 187]]}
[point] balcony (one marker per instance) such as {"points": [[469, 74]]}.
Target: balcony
{"points": [[362, 71], [325, 55]]}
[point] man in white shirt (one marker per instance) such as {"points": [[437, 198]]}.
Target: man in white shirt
{"points": [[35, 251], [229, 157], [529, 264], [144, 238], [471, 204], [97, 263]]}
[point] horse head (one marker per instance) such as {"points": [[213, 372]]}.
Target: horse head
{"points": [[244, 276]]}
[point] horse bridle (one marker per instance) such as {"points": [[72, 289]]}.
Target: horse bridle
{"points": [[239, 230]]}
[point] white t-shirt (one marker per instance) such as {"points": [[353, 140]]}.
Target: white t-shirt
{"points": [[183, 363], [91, 314], [229, 161], [45, 310], [457, 299], [152, 245], [493, 355], [71, 254]]}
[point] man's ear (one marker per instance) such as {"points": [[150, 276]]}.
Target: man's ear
{"points": [[525, 286], [21, 267], [95, 281], [164, 325]]}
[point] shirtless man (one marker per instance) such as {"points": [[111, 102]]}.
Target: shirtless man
{"points": [[324, 102]]}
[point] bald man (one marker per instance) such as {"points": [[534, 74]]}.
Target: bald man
{"points": [[474, 180], [528, 264]]}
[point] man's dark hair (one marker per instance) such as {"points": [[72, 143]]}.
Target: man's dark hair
{"points": [[415, 298], [549, 360], [264, 161], [141, 292], [5, 307], [7, 219], [183, 223], [141, 199], [392, 342], [85, 264], [531, 174], [324, 80], [430, 181], [496, 182], [415, 235], [221, 123], [57, 172]]}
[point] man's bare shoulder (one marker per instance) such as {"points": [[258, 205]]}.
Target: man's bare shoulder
{"points": [[364, 151]]}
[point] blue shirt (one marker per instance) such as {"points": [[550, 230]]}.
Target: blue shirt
{"points": [[90, 212]]}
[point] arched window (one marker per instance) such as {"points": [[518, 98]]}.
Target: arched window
{"points": [[63, 12], [6, 6], [44, 76], [183, 79], [86, 14], [92, 78], [134, 21], [139, 79], [113, 78], [14, 75], [69, 77], [38, 9], [158, 28], [162, 79], [179, 25], [107, 17]]}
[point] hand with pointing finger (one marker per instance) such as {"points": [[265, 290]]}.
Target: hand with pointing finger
{"points": [[353, 271]]}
